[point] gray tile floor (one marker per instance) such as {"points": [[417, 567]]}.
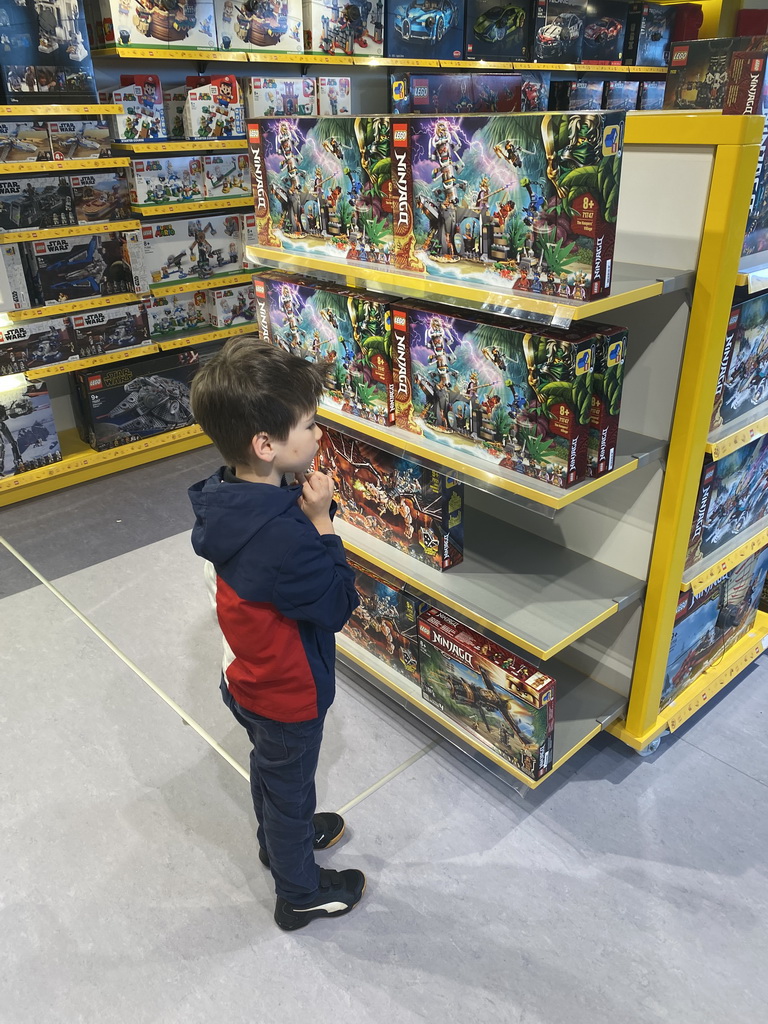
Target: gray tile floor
{"points": [[626, 890]]}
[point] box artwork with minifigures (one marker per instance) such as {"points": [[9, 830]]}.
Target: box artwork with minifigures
{"points": [[322, 186], [501, 700], [442, 93], [227, 307], [44, 202], [335, 27], [226, 176], [196, 248], [386, 622], [64, 269], [28, 438], [698, 71], [498, 201], [607, 386], [101, 196], [158, 24], [24, 142], [35, 343], [416, 510], [80, 139], [142, 115], [98, 331], [183, 313], [747, 93], [347, 333], [518, 399], [213, 109], [742, 384], [161, 180]]}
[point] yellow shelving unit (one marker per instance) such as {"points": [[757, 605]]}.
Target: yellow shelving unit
{"points": [[214, 281], [199, 206], [59, 110], [100, 228], [62, 166], [179, 146], [75, 306]]}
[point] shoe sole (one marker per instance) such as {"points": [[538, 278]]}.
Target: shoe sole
{"points": [[316, 915], [320, 848]]}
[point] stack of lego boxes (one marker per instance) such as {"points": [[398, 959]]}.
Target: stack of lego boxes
{"points": [[159, 180], [53, 201], [29, 433], [187, 312]]}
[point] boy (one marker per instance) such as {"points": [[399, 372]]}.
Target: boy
{"points": [[283, 588]]}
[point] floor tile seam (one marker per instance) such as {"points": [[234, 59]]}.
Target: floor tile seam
{"points": [[134, 668], [389, 776], [726, 764]]}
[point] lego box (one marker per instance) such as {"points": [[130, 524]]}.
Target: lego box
{"points": [[386, 622], [198, 248], [604, 31], [331, 27], [323, 186], [733, 496], [79, 139], [213, 109], [161, 180], [24, 142], [254, 25], [497, 31], [454, 94], [650, 96], [142, 118], [502, 701], [226, 307], [101, 196], [619, 95], [425, 28], [747, 93], [271, 97], [649, 32], [98, 331], [493, 201], [226, 176], [64, 269], [416, 510], [607, 385], [43, 202], [11, 255], [177, 314], [742, 384], [33, 343], [519, 400], [347, 333], [698, 71], [173, 112], [334, 96], [534, 94], [158, 24], [28, 438], [558, 31], [584, 95]]}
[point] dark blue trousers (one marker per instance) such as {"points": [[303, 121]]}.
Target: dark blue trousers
{"points": [[283, 766]]}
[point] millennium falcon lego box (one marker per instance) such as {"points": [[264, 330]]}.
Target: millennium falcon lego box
{"points": [[742, 384], [501, 701], [98, 331], [347, 333], [416, 510], [323, 186], [493, 201], [28, 438], [33, 343], [386, 622]]}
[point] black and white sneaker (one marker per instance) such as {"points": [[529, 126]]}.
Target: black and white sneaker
{"points": [[339, 892], [329, 828]]}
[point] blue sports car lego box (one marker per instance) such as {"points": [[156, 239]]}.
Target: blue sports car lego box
{"points": [[430, 29]]}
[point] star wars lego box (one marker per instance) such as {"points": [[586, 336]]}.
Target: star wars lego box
{"points": [[534, 93], [28, 438], [502, 701], [42, 202], [142, 118], [258, 26], [55, 37], [650, 96], [698, 71], [605, 27], [416, 510], [425, 29], [708, 623], [158, 24], [160, 180], [179, 314], [273, 97], [101, 196], [173, 112], [348, 333], [331, 27], [441, 93], [213, 109], [386, 622], [323, 186], [33, 343], [491, 201], [747, 93], [496, 31], [742, 384], [194, 249], [80, 267], [649, 32], [11, 255], [607, 386], [226, 176], [226, 307], [518, 399], [98, 331], [620, 95], [733, 496], [80, 139], [334, 96], [24, 142], [558, 31]]}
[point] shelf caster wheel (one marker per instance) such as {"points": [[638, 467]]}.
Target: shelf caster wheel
{"points": [[653, 746]]}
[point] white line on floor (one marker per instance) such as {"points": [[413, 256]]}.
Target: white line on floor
{"points": [[180, 711]]}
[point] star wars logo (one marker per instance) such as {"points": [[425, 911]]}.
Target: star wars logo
{"points": [[10, 188], [14, 334], [54, 245], [84, 179], [90, 320]]}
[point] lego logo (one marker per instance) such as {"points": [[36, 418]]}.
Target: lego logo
{"points": [[94, 383], [757, 65], [79, 321], [259, 289], [40, 247], [733, 322], [400, 134], [399, 320], [253, 132], [146, 232], [679, 56]]}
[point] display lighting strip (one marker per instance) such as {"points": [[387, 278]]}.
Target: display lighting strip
{"points": [[222, 281], [180, 145], [60, 110], [30, 167], [100, 228], [75, 306], [201, 206]]}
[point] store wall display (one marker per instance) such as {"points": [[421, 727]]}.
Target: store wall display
{"points": [[733, 495], [323, 186], [521, 400], [79, 139], [559, 31], [28, 438], [332, 27], [492, 693], [192, 248], [708, 623], [416, 510], [498, 30], [426, 29], [649, 32], [213, 109], [24, 142], [101, 196], [698, 71], [743, 380], [747, 93], [440, 93], [346, 332], [45, 52], [480, 199], [605, 26], [386, 622]]}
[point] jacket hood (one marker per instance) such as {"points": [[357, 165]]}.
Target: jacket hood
{"points": [[229, 515]]}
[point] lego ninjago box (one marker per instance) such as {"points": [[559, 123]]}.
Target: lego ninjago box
{"points": [[32, 343], [28, 438], [747, 93], [386, 622], [322, 186], [97, 331], [440, 93], [607, 386], [501, 701], [698, 71], [416, 510], [742, 383], [519, 399], [80, 267], [492, 201], [498, 31], [348, 333], [709, 622], [733, 496]]}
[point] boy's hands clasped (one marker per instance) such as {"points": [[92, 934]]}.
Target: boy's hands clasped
{"points": [[316, 498]]}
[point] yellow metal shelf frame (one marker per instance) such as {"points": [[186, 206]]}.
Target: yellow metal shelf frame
{"points": [[59, 110], [179, 146], [75, 306], [101, 228], [201, 206], [62, 166]]}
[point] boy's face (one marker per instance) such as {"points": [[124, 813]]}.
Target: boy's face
{"points": [[295, 454]]}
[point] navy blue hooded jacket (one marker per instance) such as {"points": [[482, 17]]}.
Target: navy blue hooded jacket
{"points": [[282, 591]]}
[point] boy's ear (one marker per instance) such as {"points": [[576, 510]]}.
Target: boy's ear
{"points": [[261, 446]]}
